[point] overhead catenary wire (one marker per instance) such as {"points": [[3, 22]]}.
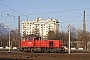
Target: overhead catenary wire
{"points": [[59, 11], [27, 15], [42, 13], [12, 9]]}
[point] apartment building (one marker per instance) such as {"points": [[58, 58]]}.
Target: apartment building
{"points": [[40, 27]]}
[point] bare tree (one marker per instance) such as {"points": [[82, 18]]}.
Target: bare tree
{"points": [[73, 36], [51, 35]]}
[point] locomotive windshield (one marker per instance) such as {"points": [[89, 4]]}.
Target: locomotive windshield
{"points": [[30, 38]]}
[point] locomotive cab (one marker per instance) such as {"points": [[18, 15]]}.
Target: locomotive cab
{"points": [[37, 38]]}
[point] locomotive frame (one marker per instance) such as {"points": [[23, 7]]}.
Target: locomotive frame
{"points": [[42, 46]]}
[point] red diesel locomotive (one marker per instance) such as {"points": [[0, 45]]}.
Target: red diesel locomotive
{"points": [[38, 45]]}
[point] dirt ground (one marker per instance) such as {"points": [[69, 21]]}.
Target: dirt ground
{"points": [[44, 56]]}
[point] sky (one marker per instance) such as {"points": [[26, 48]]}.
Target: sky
{"points": [[65, 11]]}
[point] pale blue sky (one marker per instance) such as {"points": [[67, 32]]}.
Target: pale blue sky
{"points": [[66, 11]]}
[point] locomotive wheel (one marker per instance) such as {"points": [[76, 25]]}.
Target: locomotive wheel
{"points": [[46, 51], [32, 50], [51, 50], [42, 50]]}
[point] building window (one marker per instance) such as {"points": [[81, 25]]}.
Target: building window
{"points": [[27, 27], [24, 27], [44, 24], [46, 31]]}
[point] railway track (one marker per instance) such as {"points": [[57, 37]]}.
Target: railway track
{"points": [[43, 56]]}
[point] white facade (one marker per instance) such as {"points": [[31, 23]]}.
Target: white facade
{"points": [[39, 27]]}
